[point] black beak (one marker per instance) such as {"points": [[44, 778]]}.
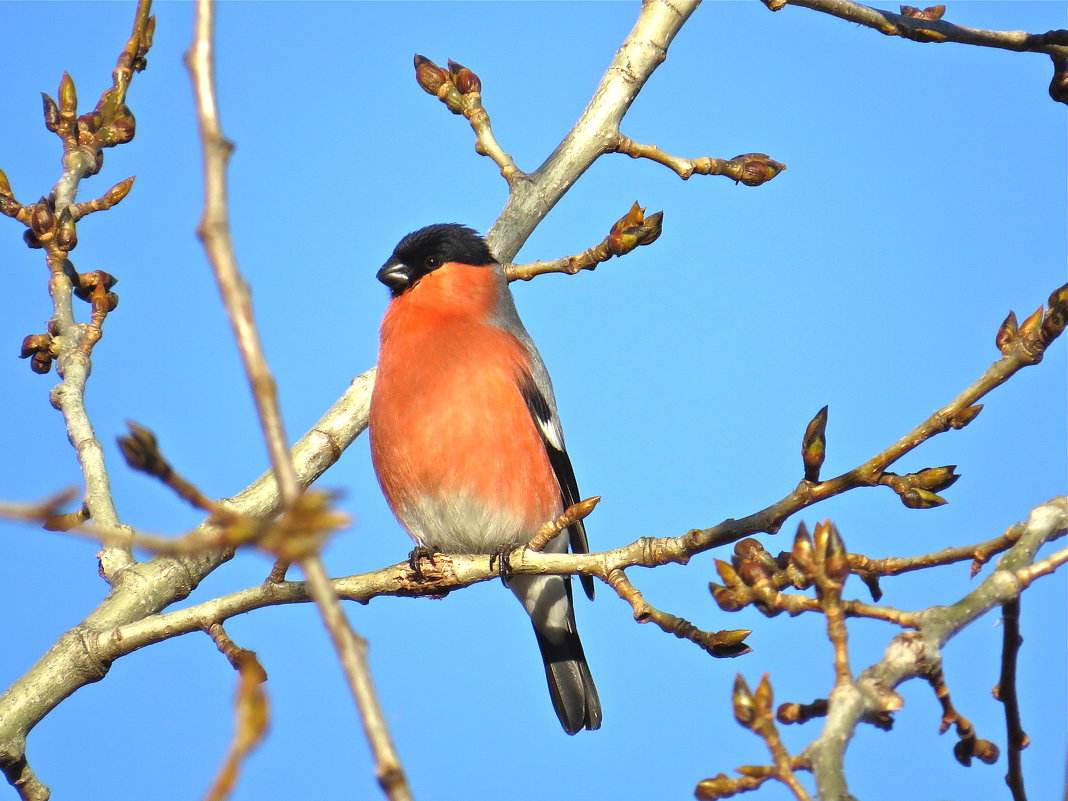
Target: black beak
{"points": [[396, 276]]}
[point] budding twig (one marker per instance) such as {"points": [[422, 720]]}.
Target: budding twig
{"points": [[751, 169], [715, 643], [630, 231], [928, 26], [214, 231], [461, 91]]}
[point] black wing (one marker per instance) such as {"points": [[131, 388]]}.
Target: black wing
{"points": [[552, 439]]}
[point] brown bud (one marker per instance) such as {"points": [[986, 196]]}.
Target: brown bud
{"points": [[140, 449], [5, 186], [121, 130], [112, 301], [752, 573], [118, 192], [466, 81], [935, 479], [725, 599], [31, 240], [713, 789], [87, 282], [633, 230], [1057, 315], [965, 416], [803, 553], [38, 349], [429, 75], [918, 498], [745, 710], [814, 446], [42, 218], [66, 232], [753, 169], [51, 113], [89, 122], [836, 565], [1006, 333]]}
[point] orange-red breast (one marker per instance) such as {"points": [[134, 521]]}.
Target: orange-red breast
{"points": [[465, 436]]}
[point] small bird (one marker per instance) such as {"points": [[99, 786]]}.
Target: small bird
{"points": [[465, 437]]}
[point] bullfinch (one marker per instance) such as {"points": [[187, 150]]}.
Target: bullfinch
{"points": [[466, 440]]}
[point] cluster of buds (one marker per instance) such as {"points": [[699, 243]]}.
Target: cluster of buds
{"points": [[919, 490], [111, 123], [754, 576], [451, 86], [38, 348], [45, 228], [633, 230], [1035, 333], [95, 287], [930, 13], [752, 710], [814, 446]]}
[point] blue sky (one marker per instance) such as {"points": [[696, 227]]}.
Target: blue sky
{"points": [[925, 197]]}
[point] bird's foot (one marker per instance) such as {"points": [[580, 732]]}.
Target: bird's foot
{"points": [[501, 560], [419, 553]]}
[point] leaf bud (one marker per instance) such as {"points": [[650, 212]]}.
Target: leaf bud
{"points": [[1032, 324], [713, 789], [803, 553], [1006, 333], [429, 75], [68, 97], [814, 446], [763, 696], [965, 416], [66, 232], [753, 169], [42, 218], [51, 113], [919, 498], [727, 573], [1057, 315], [466, 81], [725, 599], [31, 240], [5, 186], [742, 699], [935, 479]]}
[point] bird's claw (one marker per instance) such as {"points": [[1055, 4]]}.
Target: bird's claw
{"points": [[418, 553], [500, 558]]}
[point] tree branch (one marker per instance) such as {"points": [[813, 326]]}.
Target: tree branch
{"points": [[916, 654]]}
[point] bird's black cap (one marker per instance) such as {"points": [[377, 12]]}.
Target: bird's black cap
{"points": [[423, 251]]}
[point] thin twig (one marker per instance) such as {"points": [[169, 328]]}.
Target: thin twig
{"points": [[214, 231], [1006, 693]]}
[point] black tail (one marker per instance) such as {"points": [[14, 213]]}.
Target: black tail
{"points": [[571, 686]]}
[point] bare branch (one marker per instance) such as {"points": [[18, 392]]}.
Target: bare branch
{"points": [[928, 26], [214, 230], [917, 654]]}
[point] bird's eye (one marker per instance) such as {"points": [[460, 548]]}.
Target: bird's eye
{"points": [[432, 262]]}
